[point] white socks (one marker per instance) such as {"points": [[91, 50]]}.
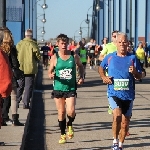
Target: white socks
{"points": [[120, 144], [115, 141]]}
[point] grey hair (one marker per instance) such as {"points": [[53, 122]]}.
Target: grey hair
{"points": [[121, 33]]}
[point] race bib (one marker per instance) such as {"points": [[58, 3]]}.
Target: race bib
{"points": [[142, 61], [65, 74], [92, 51], [83, 56], [45, 53], [121, 84]]}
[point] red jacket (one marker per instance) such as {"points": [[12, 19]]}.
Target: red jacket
{"points": [[5, 75]]}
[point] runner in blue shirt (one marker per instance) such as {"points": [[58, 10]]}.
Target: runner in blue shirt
{"points": [[123, 67]]}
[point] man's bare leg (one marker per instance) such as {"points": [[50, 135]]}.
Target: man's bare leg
{"points": [[116, 125], [124, 129], [60, 105], [70, 102]]}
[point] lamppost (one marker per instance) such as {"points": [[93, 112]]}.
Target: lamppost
{"points": [[2, 13], [43, 20], [88, 22], [42, 40], [44, 6], [109, 9], [80, 30], [43, 30]]}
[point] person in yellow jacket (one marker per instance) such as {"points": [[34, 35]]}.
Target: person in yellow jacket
{"points": [[140, 53], [28, 56]]}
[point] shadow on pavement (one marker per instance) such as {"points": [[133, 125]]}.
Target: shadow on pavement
{"points": [[35, 133]]}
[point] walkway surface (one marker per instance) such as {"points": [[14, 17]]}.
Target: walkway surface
{"points": [[92, 124]]}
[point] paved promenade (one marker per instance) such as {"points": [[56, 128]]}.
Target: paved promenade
{"points": [[92, 124]]}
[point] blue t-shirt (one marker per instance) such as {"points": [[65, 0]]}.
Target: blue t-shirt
{"points": [[123, 85]]}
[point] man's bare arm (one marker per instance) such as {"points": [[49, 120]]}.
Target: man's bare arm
{"points": [[101, 72], [51, 67], [106, 79]]}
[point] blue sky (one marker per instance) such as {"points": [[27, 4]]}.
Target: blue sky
{"points": [[64, 16]]}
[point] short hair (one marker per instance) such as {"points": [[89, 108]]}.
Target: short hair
{"points": [[115, 31], [28, 32], [62, 37], [121, 33]]}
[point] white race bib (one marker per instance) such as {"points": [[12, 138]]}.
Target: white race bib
{"points": [[142, 61], [45, 53], [92, 51], [65, 74], [121, 84]]}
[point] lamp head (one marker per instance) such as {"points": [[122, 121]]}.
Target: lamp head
{"points": [[80, 32], [44, 6], [43, 32], [43, 20], [87, 21], [98, 7]]}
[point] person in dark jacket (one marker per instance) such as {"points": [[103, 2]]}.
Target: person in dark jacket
{"points": [[8, 47]]}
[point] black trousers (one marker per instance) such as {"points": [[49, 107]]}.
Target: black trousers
{"points": [[5, 107], [27, 84]]}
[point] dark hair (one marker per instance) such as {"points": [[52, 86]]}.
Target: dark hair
{"points": [[115, 31], [62, 37]]}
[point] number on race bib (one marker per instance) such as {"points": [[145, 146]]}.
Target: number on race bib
{"points": [[121, 84], [65, 74]]}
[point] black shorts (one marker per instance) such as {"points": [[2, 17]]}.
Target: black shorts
{"points": [[91, 55], [84, 64], [45, 57], [125, 105], [62, 94]]}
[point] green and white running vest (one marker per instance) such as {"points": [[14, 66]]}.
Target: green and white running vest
{"points": [[83, 57], [65, 74]]}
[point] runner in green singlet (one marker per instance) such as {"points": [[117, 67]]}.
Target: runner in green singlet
{"points": [[63, 70], [83, 56]]}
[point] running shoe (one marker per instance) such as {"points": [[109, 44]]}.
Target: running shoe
{"points": [[62, 139], [70, 132], [110, 111], [120, 148], [115, 146]]}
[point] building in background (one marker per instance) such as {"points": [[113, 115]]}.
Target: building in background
{"points": [[129, 16], [21, 15]]}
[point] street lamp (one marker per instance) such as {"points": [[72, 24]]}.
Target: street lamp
{"points": [[43, 20], [42, 40], [43, 30], [109, 8], [98, 6], [80, 31], [88, 22], [44, 6]]}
